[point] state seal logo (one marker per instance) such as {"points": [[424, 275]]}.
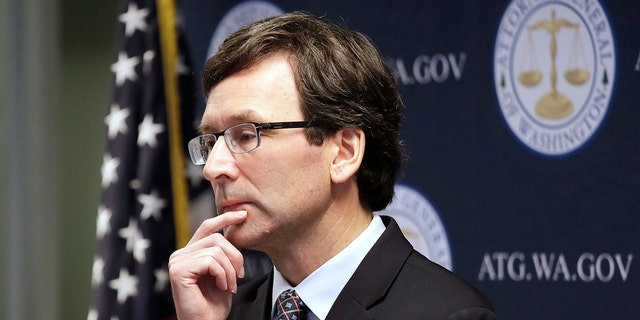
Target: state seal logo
{"points": [[239, 16], [554, 72], [420, 224]]}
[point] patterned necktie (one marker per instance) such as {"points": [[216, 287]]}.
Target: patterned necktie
{"points": [[289, 306]]}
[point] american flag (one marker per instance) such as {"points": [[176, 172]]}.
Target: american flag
{"points": [[144, 188]]}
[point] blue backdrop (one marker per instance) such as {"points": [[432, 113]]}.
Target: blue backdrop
{"points": [[522, 123]]}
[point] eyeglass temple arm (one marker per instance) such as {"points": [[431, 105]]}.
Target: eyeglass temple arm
{"points": [[283, 125]]}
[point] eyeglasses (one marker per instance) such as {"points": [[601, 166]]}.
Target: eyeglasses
{"points": [[240, 138]]}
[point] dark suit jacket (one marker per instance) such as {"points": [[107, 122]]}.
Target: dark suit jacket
{"points": [[392, 282]]}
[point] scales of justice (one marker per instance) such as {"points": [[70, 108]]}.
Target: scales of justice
{"points": [[554, 105]]}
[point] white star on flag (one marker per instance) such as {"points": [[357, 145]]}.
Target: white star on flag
{"points": [[130, 234], [116, 120], [181, 67], [193, 173], [147, 58], [152, 205], [108, 170], [140, 245], [148, 131], [103, 223], [162, 279], [124, 68], [125, 284], [135, 242], [97, 274], [93, 315], [135, 184], [133, 19]]}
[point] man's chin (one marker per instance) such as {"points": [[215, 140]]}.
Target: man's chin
{"points": [[238, 236]]}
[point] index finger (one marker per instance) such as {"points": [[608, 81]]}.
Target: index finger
{"points": [[217, 224]]}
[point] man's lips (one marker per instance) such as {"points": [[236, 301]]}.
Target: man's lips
{"points": [[227, 206]]}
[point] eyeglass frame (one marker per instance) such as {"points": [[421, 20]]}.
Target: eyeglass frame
{"points": [[196, 145]]}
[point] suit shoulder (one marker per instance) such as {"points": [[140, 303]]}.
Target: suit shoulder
{"points": [[432, 282]]}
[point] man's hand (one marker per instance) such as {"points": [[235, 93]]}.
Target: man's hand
{"points": [[203, 274]]}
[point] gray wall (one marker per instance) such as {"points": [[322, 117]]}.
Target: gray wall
{"points": [[54, 90]]}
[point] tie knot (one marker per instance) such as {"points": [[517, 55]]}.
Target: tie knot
{"points": [[290, 307]]}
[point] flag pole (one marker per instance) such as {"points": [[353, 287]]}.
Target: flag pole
{"points": [[168, 43]]}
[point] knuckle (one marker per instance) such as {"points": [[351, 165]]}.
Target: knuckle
{"points": [[218, 236], [217, 251]]}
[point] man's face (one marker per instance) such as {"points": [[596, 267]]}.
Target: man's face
{"points": [[284, 184]]}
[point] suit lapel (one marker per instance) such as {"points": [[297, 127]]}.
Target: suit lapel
{"points": [[371, 281]]}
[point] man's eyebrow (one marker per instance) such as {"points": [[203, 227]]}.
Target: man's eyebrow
{"points": [[245, 116], [204, 128]]}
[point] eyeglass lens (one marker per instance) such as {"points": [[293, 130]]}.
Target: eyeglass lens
{"points": [[240, 138]]}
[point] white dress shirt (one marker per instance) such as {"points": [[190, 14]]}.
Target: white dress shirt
{"points": [[320, 289]]}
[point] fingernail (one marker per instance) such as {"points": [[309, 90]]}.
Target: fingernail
{"points": [[242, 213], [241, 273]]}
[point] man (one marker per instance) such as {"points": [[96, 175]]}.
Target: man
{"points": [[301, 144]]}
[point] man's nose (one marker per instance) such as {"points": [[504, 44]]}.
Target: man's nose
{"points": [[220, 163]]}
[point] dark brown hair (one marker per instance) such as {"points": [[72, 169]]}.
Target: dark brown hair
{"points": [[343, 81]]}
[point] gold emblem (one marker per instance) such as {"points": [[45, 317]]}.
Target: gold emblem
{"points": [[554, 97], [554, 104]]}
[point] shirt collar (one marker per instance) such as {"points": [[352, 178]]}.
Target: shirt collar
{"points": [[318, 293]]}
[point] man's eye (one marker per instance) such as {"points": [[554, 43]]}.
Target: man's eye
{"points": [[208, 143], [246, 136]]}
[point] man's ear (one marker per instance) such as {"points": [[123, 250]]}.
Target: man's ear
{"points": [[349, 151]]}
